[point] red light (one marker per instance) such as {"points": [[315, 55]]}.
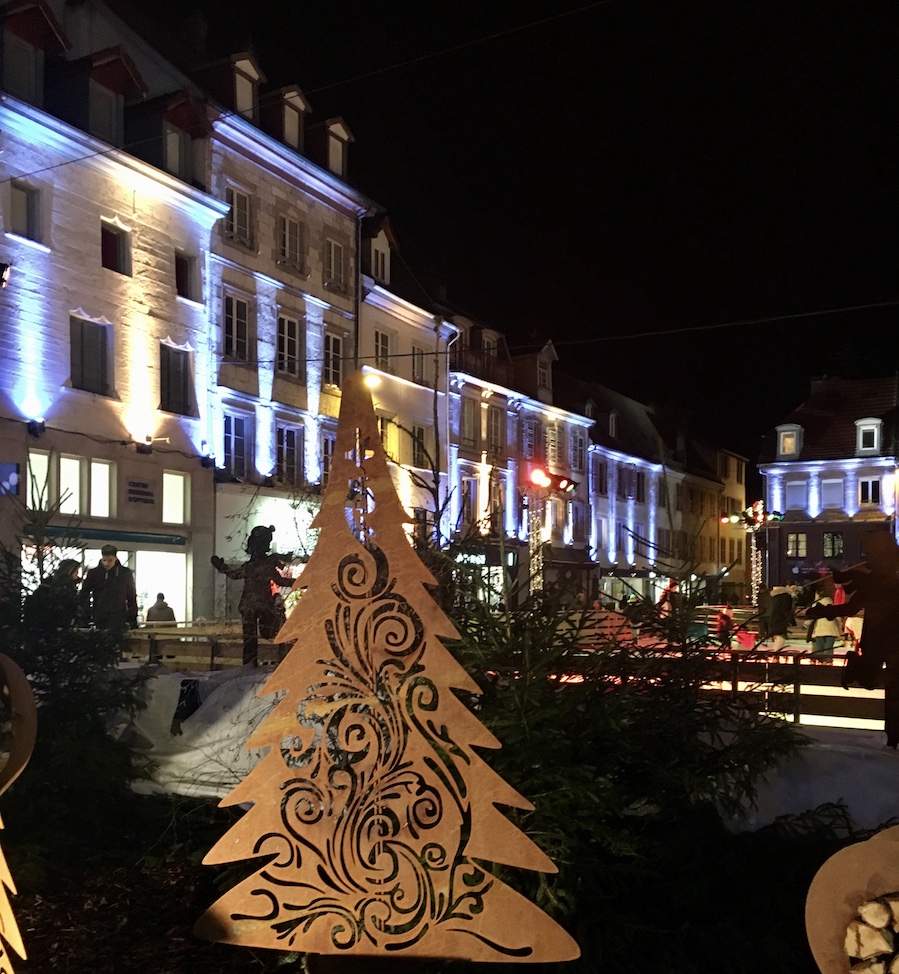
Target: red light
{"points": [[540, 478]]}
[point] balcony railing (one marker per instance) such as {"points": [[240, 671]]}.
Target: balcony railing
{"points": [[482, 364]]}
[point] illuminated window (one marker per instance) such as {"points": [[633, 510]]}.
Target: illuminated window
{"points": [[332, 367], [235, 327], [185, 275], [236, 445], [797, 545], [115, 248], [382, 350], [175, 380], [833, 544], [70, 486], [24, 213], [237, 222], [789, 440], [419, 453], [38, 480], [335, 272], [90, 356], [289, 455], [290, 237], [869, 491], [102, 480], [289, 357], [175, 497]]}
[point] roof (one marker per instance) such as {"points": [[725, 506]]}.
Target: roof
{"points": [[828, 418]]}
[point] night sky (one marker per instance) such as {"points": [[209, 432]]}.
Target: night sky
{"points": [[598, 171]]}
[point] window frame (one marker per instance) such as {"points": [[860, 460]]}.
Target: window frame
{"points": [[115, 247], [797, 544], [181, 400], [334, 276], [870, 492], [332, 360], [290, 472], [100, 356], [236, 462], [232, 340], [287, 256], [32, 229], [234, 230], [383, 350], [419, 451], [286, 362]]}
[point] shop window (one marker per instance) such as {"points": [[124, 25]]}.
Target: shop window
{"points": [[102, 478], [38, 480]]}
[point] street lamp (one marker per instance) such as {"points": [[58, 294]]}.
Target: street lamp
{"points": [[540, 484], [753, 519]]}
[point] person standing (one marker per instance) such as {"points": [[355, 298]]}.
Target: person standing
{"points": [[780, 615], [54, 603], [875, 589], [823, 633], [160, 610], [108, 594]]}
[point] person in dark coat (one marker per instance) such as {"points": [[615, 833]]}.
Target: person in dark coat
{"points": [[108, 595], [53, 604], [764, 612], [780, 614], [261, 607], [160, 610], [873, 588]]}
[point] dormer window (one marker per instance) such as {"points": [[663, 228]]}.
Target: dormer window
{"points": [[339, 137], [379, 264], [185, 127], [789, 441], [542, 374], [613, 423], [867, 435], [292, 126], [246, 87], [30, 31], [113, 77]]}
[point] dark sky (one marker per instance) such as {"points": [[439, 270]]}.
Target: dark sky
{"points": [[587, 171]]}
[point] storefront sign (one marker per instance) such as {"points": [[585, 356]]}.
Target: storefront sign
{"points": [[141, 492]]}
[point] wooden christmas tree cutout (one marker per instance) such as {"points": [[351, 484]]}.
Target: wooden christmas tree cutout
{"points": [[21, 711], [371, 807]]}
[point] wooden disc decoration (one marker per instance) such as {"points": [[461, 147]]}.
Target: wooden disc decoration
{"points": [[20, 710], [372, 813], [852, 877]]}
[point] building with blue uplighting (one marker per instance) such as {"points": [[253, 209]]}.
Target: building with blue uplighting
{"points": [[830, 468]]}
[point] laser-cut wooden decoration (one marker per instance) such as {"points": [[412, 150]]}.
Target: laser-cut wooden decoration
{"points": [[850, 877], [21, 710], [371, 809]]}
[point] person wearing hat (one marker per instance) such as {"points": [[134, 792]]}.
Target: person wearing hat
{"points": [[108, 595]]}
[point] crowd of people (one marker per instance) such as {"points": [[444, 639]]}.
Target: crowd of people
{"points": [[106, 598]]}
